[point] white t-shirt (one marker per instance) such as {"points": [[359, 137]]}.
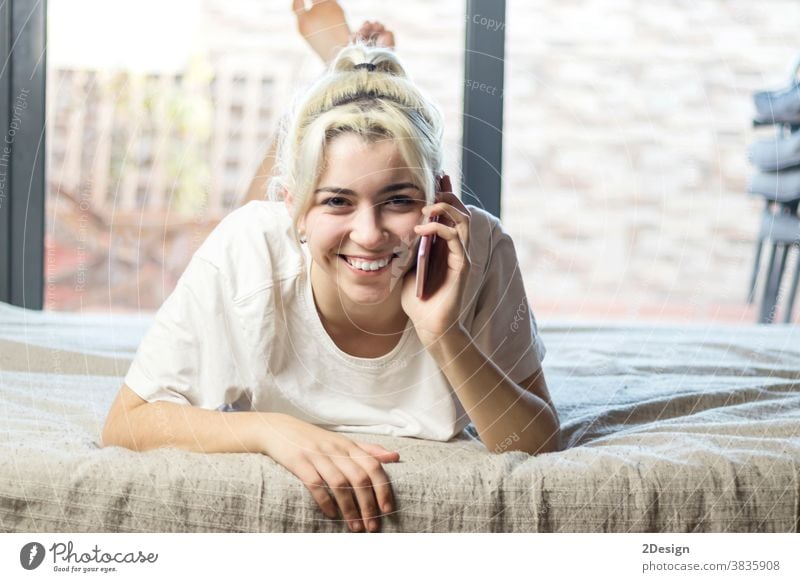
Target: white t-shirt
{"points": [[241, 332]]}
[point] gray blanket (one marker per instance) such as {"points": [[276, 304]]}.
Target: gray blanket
{"points": [[672, 429]]}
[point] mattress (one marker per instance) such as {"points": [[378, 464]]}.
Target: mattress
{"points": [[665, 429]]}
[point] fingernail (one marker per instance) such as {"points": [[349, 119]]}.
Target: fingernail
{"points": [[387, 508], [372, 525], [357, 526]]}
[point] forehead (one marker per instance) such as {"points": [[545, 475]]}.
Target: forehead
{"points": [[351, 158]]}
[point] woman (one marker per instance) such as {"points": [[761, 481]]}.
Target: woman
{"points": [[301, 312]]}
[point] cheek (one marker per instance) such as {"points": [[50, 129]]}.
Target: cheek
{"points": [[324, 234], [408, 239], [403, 226]]}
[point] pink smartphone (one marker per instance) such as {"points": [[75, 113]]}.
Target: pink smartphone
{"points": [[426, 245], [423, 258]]}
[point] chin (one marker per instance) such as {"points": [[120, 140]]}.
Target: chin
{"points": [[367, 298], [370, 292], [367, 292]]}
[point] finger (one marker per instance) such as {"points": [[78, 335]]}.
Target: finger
{"points": [[380, 483], [448, 210], [453, 201], [298, 6], [444, 231], [383, 454], [456, 218], [457, 241], [339, 486], [317, 487], [361, 483]]}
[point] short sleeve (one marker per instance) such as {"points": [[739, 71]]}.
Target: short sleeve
{"points": [[187, 356], [504, 326]]}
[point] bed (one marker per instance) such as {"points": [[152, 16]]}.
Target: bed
{"points": [[665, 428]]}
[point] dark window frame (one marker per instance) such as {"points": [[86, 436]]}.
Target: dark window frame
{"points": [[22, 152], [484, 76]]}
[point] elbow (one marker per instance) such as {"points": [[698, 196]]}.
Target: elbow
{"points": [[549, 435], [551, 445], [539, 447], [540, 439], [108, 436], [117, 432], [549, 440]]}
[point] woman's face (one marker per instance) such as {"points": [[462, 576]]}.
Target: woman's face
{"points": [[360, 223]]}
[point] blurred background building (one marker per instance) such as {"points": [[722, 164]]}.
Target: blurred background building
{"points": [[625, 137]]}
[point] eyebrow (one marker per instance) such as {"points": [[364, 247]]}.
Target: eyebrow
{"points": [[388, 189]]}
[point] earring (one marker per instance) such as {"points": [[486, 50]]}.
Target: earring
{"points": [[302, 236]]}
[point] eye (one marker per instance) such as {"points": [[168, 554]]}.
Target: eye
{"points": [[334, 202], [402, 201]]}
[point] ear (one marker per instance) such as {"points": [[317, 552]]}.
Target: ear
{"points": [[288, 201]]}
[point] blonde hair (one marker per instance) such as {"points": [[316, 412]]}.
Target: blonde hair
{"points": [[365, 91]]}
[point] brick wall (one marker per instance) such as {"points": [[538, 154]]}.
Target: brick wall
{"points": [[626, 130], [626, 126]]}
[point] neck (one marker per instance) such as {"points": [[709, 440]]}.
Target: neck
{"points": [[344, 316]]}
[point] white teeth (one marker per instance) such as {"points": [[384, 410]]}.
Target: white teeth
{"points": [[368, 266]]}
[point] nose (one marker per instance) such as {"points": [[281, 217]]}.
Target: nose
{"points": [[367, 229]]}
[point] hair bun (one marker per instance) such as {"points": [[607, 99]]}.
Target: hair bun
{"points": [[357, 58], [368, 66]]}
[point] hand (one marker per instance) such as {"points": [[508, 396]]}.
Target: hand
{"points": [[350, 469], [438, 314]]}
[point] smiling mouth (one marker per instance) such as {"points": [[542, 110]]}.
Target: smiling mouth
{"points": [[370, 264]]}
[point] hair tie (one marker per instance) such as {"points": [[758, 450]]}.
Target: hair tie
{"points": [[369, 66]]}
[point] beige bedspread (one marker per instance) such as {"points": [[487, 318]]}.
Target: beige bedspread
{"points": [[666, 429]]}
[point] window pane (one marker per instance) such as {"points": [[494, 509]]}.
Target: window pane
{"points": [[625, 153], [154, 137]]}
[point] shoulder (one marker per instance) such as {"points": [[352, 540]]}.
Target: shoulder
{"points": [[253, 247], [486, 233]]}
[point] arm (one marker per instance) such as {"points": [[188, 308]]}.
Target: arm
{"points": [[344, 476], [136, 424], [508, 416]]}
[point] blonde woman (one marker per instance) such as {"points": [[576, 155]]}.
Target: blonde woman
{"points": [[300, 312]]}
